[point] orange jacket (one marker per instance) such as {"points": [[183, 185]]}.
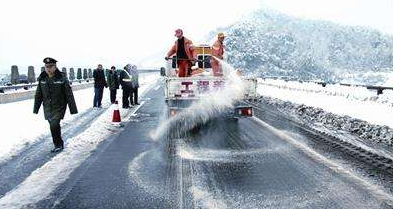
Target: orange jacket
{"points": [[188, 46], [218, 49]]}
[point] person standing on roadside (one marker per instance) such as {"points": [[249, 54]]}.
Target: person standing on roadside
{"points": [[99, 84], [135, 84], [126, 85], [113, 83], [54, 93]]}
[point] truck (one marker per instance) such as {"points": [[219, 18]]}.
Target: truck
{"points": [[182, 92]]}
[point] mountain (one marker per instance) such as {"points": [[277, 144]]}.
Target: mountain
{"points": [[269, 43]]}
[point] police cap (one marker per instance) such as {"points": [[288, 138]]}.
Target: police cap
{"points": [[50, 60]]}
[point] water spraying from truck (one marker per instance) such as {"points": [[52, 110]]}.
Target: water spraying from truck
{"points": [[211, 104]]}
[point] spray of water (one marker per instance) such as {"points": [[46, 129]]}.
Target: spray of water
{"points": [[209, 105]]}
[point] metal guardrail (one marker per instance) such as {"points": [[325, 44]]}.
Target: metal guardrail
{"points": [[379, 89], [3, 89], [16, 87], [148, 70]]}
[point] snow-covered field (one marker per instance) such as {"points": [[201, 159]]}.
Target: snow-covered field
{"points": [[19, 127], [356, 102]]}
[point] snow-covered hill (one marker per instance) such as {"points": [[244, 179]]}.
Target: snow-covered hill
{"points": [[274, 44]]}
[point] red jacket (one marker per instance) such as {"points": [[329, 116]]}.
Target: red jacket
{"points": [[188, 46], [218, 49]]}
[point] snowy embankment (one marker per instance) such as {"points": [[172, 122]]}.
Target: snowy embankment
{"points": [[20, 127], [352, 109]]}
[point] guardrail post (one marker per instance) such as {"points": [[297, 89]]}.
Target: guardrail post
{"points": [[79, 74], [31, 74], [64, 70], [72, 74], [379, 91], [84, 74], [14, 74], [323, 84], [90, 74]]}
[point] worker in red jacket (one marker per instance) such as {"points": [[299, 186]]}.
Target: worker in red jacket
{"points": [[218, 53], [185, 54]]}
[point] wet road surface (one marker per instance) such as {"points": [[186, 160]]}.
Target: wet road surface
{"points": [[250, 163]]}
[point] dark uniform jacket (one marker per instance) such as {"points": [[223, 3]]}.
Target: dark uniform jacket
{"points": [[113, 80], [99, 79], [125, 79], [54, 93]]}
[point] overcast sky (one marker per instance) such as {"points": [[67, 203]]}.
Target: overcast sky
{"points": [[83, 33]]}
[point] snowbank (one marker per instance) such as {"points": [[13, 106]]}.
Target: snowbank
{"points": [[356, 102], [352, 109]]}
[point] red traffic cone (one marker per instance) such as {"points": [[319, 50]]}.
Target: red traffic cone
{"points": [[116, 114]]}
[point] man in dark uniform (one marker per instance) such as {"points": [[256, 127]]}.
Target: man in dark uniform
{"points": [[54, 93], [113, 83], [126, 84], [99, 84]]}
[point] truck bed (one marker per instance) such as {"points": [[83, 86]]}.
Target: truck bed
{"points": [[191, 88]]}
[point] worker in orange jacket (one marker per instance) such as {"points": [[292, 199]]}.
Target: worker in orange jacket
{"points": [[185, 53], [218, 53]]}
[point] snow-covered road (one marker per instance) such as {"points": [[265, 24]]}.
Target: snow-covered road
{"points": [[19, 127], [267, 161], [252, 163]]}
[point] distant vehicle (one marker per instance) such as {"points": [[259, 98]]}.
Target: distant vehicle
{"points": [[181, 92]]}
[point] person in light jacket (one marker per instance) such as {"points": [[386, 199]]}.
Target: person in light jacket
{"points": [[135, 84]]}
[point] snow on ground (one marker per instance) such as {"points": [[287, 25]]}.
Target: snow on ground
{"points": [[389, 81], [356, 102], [44, 180], [20, 127], [355, 110]]}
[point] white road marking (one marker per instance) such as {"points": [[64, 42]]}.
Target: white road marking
{"points": [[137, 108]]}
